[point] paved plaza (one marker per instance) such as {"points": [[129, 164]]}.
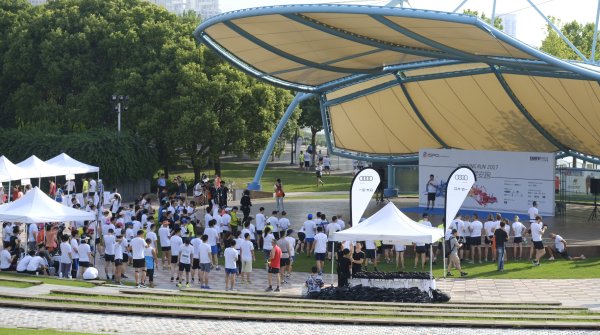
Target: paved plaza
{"points": [[119, 324]]}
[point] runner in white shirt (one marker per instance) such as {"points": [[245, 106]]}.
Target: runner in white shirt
{"points": [[32, 232], [292, 243], [226, 220], [284, 224], [320, 248], [268, 245], [176, 243], [152, 236], [249, 229], [165, 243], [475, 229], [560, 248], [488, 227], [207, 217], [341, 222], [331, 229], [213, 240], [186, 251], [465, 232], [205, 256], [231, 256], [310, 229], [196, 242], [75, 251], [247, 255], [260, 226], [137, 247], [24, 262], [537, 230], [109, 254], [85, 255], [533, 212], [518, 229], [273, 221], [66, 256], [37, 264]]}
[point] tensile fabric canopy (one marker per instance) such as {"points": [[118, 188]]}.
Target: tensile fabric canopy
{"points": [[10, 171], [69, 165], [37, 168]]}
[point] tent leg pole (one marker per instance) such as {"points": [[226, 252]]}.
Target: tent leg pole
{"points": [[431, 261], [332, 260], [444, 256], [9, 191]]}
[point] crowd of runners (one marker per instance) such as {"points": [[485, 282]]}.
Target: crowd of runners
{"points": [[188, 241]]}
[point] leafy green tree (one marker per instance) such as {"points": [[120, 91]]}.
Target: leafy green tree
{"points": [[62, 61], [497, 20], [311, 118], [581, 35]]}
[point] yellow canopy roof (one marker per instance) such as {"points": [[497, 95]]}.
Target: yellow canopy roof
{"points": [[394, 80]]}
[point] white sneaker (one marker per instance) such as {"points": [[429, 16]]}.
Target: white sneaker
{"points": [[582, 256], [551, 258]]}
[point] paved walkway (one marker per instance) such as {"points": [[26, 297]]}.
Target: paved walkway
{"points": [[120, 324]]}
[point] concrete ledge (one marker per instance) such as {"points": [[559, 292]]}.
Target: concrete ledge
{"points": [[337, 305], [287, 318]]}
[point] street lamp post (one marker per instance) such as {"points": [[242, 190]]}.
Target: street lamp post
{"points": [[120, 104]]}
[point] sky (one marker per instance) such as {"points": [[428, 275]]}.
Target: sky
{"points": [[530, 25]]}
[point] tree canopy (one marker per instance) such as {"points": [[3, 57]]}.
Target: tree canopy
{"points": [[581, 35], [62, 61]]}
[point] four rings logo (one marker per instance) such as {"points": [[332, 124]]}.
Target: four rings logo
{"points": [[365, 178], [461, 177]]}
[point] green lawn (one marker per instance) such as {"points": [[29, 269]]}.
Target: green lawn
{"points": [[48, 280], [293, 180], [15, 284], [558, 269], [28, 331]]}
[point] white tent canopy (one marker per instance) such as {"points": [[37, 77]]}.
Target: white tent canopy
{"points": [[37, 168], [69, 165], [10, 171], [390, 224], [36, 207]]}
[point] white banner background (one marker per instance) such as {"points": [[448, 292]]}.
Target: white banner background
{"points": [[506, 181], [459, 186], [363, 187]]}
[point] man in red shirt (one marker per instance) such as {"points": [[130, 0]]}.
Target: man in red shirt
{"points": [[274, 265]]}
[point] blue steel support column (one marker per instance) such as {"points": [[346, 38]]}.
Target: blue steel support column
{"points": [[595, 38], [391, 190], [255, 184]]}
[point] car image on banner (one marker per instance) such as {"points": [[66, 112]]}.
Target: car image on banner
{"points": [[506, 181]]}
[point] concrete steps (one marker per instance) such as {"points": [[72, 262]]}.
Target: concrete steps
{"points": [[267, 307]]}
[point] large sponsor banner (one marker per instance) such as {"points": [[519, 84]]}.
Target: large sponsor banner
{"points": [[363, 187], [506, 181]]}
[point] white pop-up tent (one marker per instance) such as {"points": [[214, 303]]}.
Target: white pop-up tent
{"points": [[69, 165], [36, 207], [9, 171], [390, 224], [37, 168]]}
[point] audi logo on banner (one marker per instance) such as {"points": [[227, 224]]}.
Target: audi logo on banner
{"points": [[461, 177], [365, 178]]}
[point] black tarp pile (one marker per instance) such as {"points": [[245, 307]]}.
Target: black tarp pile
{"points": [[364, 293], [391, 275]]}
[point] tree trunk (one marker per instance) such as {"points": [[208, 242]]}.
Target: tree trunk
{"points": [[313, 142], [197, 166], [217, 165], [166, 170]]}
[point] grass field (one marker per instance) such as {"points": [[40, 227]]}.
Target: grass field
{"points": [[46, 280], [558, 269], [293, 180], [15, 284]]}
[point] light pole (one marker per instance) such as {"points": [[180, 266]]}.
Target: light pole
{"points": [[120, 104]]}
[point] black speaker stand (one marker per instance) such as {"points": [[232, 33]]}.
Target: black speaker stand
{"points": [[594, 215]]}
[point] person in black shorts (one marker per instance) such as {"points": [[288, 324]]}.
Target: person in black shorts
{"points": [[420, 250], [431, 192], [300, 245]]}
